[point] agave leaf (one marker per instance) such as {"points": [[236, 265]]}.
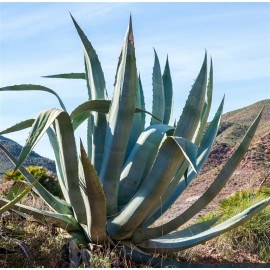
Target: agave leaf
{"points": [[158, 106], [60, 220], [94, 70], [39, 127], [67, 76], [206, 108], [168, 93], [10, 204], [31, 87], [62, 180], [15, 190], [177, 244], [95, 199], [140, 161], [17, 127], [119, 122], [192, 229], [69, 165], [67, 154], [97, 91], [83, 111], [137, 125], [173, 151], [142, 102], [191, 114], [209, 194], [54, 202], [175, 188]]}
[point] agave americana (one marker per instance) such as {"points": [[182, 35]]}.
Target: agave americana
{"points": [[130, 174]]}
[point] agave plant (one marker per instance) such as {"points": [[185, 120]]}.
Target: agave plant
{"points": [[130, 174]]}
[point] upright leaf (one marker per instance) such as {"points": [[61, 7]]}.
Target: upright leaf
{"points": [[142, 102], [192, 111], [97, 91], [175, 188], [158, 105], [95, 199], [206, 108], [119, 122], [137, 125], [173, 151], [168, 93]]}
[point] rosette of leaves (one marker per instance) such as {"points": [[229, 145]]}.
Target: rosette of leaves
{"points": [[130, 173]]}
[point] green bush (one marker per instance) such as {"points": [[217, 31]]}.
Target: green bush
{"points": [[254, 235], [46, 178]]}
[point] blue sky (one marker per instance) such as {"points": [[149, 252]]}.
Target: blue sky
{"points": [[39, 39]]}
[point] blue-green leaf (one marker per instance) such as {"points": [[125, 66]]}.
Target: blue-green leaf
{"points": [[32, 87], [119, 122], [192, 111], [17, 127], [54, 202], [67, 76], [173, 151], [176, 244], [158, 105], [140, 161], [168, 93]]}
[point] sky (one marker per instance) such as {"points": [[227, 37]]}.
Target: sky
{"points": [[38, 39]]}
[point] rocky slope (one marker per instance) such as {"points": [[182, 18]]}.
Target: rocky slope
{"points": [[253, 171]]}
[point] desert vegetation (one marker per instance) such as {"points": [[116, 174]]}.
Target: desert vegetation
{"points": [[105, 205]]}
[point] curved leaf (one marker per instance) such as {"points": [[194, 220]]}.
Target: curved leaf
{"points": [[54, 202], [67, 154], [66, 222], [10, 204], [177, 244], [140, 161], [17, 127], [60, 175], [32, 87], [210, 193], [83, 111]]}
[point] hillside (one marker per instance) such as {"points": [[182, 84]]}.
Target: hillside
{"points": [[253, 171], [15, 149]]}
